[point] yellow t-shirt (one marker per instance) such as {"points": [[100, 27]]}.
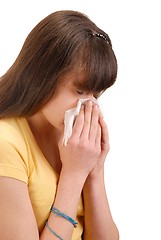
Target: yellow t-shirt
{"points": [[22, 159]]}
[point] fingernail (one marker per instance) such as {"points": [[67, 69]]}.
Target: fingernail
{"points": [[95, 106]]}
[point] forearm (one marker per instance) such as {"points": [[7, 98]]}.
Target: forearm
{"points": [[98, 220], [67, 199]]}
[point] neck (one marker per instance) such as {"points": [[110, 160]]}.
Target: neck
{"points": [[47, 138], [42, 129]]}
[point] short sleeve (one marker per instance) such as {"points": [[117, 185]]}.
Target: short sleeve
{"points": [[12, 158]]}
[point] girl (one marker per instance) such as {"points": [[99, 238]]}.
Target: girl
{"points": [[49, 191]]}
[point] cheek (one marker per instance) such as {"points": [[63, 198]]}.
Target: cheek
{"points": [[58, 108], [66, 105], [73, 104]]}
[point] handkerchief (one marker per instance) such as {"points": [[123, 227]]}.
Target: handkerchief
{"points": [[69, 119]]}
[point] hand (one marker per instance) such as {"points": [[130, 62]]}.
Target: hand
{"points": [[83, 149], [105, 147]]}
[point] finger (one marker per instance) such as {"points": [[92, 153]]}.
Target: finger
{"points": [[78, 124], [104, 135], [98, 137], [87, 120], [94, 123]]}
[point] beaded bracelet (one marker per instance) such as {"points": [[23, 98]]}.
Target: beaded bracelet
{"points": [[53, 232], [61, 214]]}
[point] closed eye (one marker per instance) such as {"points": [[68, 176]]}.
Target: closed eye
{"points": [[95, 95], [80, 92]]}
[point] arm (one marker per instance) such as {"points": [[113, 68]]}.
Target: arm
{"points": [[78, 159], [17, 219], [67, 199], [98, 220]]}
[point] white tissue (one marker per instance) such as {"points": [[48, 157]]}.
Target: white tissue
{"points": [[69, 119]]}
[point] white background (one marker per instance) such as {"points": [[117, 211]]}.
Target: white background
{"points": [[131, 107]]}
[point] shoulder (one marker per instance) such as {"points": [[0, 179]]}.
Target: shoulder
{"points": [[12, 141], [10, 132], [13, 150]]}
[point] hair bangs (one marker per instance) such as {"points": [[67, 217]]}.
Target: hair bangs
{"points": [[98, 66]]}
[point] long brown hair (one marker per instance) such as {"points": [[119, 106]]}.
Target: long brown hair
{"points": [[61, 42]]}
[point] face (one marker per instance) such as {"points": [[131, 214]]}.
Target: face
{"points": [[65, 97]]}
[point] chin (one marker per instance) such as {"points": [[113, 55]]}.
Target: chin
{"points": [[61, 126]]}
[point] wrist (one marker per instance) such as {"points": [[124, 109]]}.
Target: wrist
{"points": [[95, 179], [73, 177], [68, 192], [96, 175]]}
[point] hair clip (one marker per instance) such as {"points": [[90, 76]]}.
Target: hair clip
{"points": [[101, 36]]}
